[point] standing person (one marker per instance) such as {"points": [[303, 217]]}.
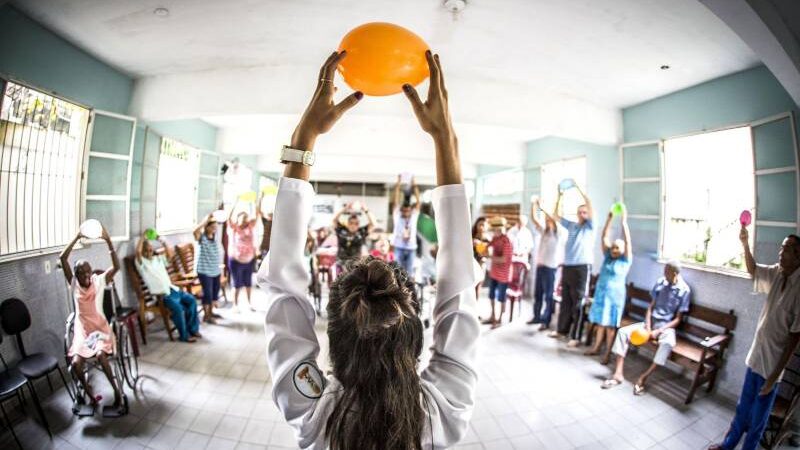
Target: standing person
{"points": [[93, 337], [480, 249], [374, 397], [775, 342], [609, 293], [578, 258], [352, 237], [405, 217], [242, 253], [670, 301], [551, 244], [208, 269], [502, 253], [522, 239], [182, 305]]}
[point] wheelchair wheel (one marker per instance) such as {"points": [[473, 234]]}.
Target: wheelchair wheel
{"points": [[128, 362]]}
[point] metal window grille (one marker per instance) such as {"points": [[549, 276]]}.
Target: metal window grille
{"points": [[41, 155]]}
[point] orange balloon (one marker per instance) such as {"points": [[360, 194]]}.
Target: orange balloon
{"points": [[382, 57], [640, 336]]}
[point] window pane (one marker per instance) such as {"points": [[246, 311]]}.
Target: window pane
{"points": [[777, 194], [774, 145], [111, 213], [206, 190], [209, 164], [177, 184], [702, 205], [768, 242], [107, 176], [111, 135], [643, 198], [552, 174], [41, 153], [641, 161], [644, 235]]}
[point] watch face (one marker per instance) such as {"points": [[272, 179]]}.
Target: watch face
{"points": [[308, 158]]}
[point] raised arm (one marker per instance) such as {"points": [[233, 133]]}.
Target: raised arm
{"points": [[111, 271], [167, 250], [396, 196], [64, 258], [606, 240], [535, 207], [750, 262], [336, 217], [557, 209], [140, 248], [587, 202], [626, 235], [233, 208], [198, 230], [370, 219], [450, 378]]}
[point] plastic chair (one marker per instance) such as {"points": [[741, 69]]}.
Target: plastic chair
{"points": [[517, 286]]}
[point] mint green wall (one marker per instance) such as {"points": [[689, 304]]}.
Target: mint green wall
{"points": [[34, 55], [194, 132], [738, 98]]}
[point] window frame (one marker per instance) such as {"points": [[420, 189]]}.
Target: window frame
{"points": [[87, 153], [211, 178], [790, 115], [5, 78], [195, 219]]}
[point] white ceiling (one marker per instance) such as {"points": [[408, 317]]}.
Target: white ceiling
{"points": [[518, 68]]}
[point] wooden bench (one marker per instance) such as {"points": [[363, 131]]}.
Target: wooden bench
{"points": [[702, 337]]}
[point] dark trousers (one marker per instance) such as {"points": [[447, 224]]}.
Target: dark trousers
{"points": [[543, 293], [574, 281], [752, 413], [210, 286]]}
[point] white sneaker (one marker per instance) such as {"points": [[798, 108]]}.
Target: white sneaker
{"points": [[573, 343]]}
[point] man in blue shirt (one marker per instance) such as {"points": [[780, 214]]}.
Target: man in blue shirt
{"points": [[578, 257], [670, 301]]}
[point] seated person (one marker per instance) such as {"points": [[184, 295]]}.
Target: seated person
{"points": [[182, 305], [670, 302], [92, 336], [382, 250]]}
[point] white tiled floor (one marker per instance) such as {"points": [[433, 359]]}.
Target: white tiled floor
{"points": [[533, 393]]}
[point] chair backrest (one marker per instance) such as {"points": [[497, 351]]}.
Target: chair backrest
{"points": [[186, 253], [136, 278], [518, 275], [15, 318]]}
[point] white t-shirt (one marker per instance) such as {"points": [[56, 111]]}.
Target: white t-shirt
{"points": [[405, 230], [779, 317], [521, 239], [551, 248], [304, 394], [154, 274]]}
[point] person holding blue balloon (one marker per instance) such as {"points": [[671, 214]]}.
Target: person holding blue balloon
{"points": [[609, 294], [578, 257]]}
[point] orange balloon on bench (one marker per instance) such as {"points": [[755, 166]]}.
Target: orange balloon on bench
{"points": [[640, 336]]}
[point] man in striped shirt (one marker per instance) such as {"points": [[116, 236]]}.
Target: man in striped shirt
{"points": [[578, 257], [501, 250]]}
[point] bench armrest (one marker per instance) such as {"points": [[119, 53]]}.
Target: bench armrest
{"points": [[715, 341]]}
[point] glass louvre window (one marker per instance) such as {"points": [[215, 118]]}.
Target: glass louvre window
{"points": [[176, 195], [41, 157]]}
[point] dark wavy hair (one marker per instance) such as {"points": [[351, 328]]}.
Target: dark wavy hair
{"points": [[376, 339]]}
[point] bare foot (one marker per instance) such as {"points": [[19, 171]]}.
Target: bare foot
{"points": [[591, 352], [191, 339]]}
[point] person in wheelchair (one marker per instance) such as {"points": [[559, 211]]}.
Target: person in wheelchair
{"points": [[93, 337]]}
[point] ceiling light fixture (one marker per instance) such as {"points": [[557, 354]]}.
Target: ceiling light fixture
{"points": [[161, 12], [455, 7], [664, 67]]}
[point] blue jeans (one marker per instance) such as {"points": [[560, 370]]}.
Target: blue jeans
{"points": [[543, 293], [497, 290], [405, 257], [752, 413], [183, 309]]}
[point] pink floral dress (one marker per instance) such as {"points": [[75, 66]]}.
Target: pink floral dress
{"points": [[92, 332]]}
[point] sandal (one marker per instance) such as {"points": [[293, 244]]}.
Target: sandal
{"points": [[610, 383], [638, 389]]}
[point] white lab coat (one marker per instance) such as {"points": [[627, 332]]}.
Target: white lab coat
{"points": [[304, 396]]}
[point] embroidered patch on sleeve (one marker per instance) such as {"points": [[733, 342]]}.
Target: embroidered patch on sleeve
{"points": [[308, 380]]}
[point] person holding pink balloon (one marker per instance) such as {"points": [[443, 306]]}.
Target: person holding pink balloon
{"points": [[776, 339]]}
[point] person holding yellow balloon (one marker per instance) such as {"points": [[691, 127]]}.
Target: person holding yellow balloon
{"points": [[242, 251], [374, 396], [670, 301]]}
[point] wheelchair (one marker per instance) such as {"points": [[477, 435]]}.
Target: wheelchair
{"points": [[124, 362]]}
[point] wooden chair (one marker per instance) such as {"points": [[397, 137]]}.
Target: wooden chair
{"points": [[786, 403], [185, 253], [516, 287], [147, 301], [702, 338]]}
